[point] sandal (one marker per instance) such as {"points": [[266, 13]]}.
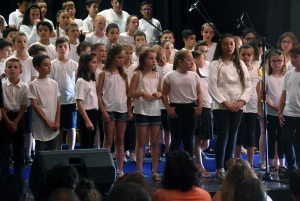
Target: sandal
{"points": [[282, 170], [155, 176], [147, 152], [120, 174], [262, 165], [272, 170], [205, 174]]}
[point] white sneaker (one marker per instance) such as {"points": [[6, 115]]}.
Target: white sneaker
{"points": [[132, 157], [125, 159], [244, 151], [220, 175], [119, 174]]}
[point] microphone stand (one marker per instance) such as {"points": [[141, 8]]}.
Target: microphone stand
{"points": [[194, 7], [267, 176]]}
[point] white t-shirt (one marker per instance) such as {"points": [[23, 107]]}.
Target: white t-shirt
{"points": [[46, 92], [92, 38], [87, 25], [211, 52], [182, 86], [79, 23], [134, 58], [73, 55], [124, 38], [152, 33], [129, 71], [289, 66], [5, 24], [114, 93], [224, 84], [28, 71], [86, 91], [204, 86], [2, 69], [291, 84], [62, 33], [31, 33], [65, 75], [15, 18], [50, 50], [163, 70], [273, 92], [251, 105], [112, 17], [141, 105]]}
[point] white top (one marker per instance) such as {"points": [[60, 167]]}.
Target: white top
{"points": [[211, 52], [50, 50], [112, 17], [291, 84], [251, 105], [129, 71], [224, 84], [114, 93], [163, 70], [273, 92], [92, 38], [31, 33], [87, 25], [86, 91], [62, 33], [204, 87], [256, 63], [289, 66], [141, 105], [125, 38], [182, 86], [28, 71], [46, 92], [14, 96], [2, 69], [65, 75], [79, 23], [134, 58], [152, 34], [5, 24], [188, 50], [15, 18], [73, 55]]}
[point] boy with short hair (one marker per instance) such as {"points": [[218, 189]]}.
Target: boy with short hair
{"points": [[15, 100], [167, 35], [28, 74], [93, 7], [44, 30], [5, 52], [149, 25], [139, 38], [44, 96], [69, 6], [289, 111], [64, 72], [72, 32], [17, 16], [202, 46], [43, 6], [189, 39], [36, 49]]}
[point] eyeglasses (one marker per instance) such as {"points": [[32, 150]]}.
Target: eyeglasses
{"points": [[276, 61], [247, 39], [288, 42], [190, 60], [147, 9]]}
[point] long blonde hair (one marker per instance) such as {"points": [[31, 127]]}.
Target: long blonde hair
{"points": [[239, 170]]}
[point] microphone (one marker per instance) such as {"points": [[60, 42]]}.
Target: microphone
{"points": [[193, 6], [239, 21]]}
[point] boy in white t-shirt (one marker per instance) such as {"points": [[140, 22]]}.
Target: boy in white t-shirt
{"points": [[97, 36], [69, 6], [43, 6], [5, 52], [64, 72], [44, 30], [289, 111], [44, 95], [189, 39], [72, 32], [93, 7], [17, 16]]}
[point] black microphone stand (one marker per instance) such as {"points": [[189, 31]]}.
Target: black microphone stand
{"points": [[267, 176], [194, 7]]}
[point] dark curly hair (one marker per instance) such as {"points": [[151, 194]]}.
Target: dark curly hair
{"points": [[180, 172], [86, 191]]}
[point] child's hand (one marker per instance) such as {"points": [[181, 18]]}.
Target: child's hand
{"points": [[11, 126], [106, 117], [148, 96], [231, 107], [171, 112], [239, 104], [36, 21], [157, 95], [129, 116], [89, 125], [281, 119], [197, 111], [259, 113], [57, 126], [51, 125]]}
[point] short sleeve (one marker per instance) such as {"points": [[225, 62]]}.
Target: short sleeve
{"points": [[167, 78], [79, 90], [11, 20], [32, 92], [284, 82], [25, 97]]}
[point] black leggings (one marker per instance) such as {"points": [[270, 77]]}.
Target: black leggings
{"points": [[87, 136], [246, 130], [274, 134]]}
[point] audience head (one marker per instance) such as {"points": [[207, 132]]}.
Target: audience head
{"points": [[86, 191], [13, 188], [180, 172], [238, 169], [128, 191], [250, 189], [294, 184], [63, 194]]}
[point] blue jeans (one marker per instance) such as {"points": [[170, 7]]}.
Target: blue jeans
{"points": [[227, 124]]}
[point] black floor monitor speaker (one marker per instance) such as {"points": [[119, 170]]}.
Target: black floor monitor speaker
{"points": [[94, 164]]}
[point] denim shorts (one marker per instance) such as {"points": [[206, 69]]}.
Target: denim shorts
{"points": [[144, 120], [117, 116]]}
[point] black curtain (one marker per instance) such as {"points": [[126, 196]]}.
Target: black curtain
{"points": [[173, 14]]}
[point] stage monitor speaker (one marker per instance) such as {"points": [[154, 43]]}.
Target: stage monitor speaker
{"points": [[93, 164]]}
